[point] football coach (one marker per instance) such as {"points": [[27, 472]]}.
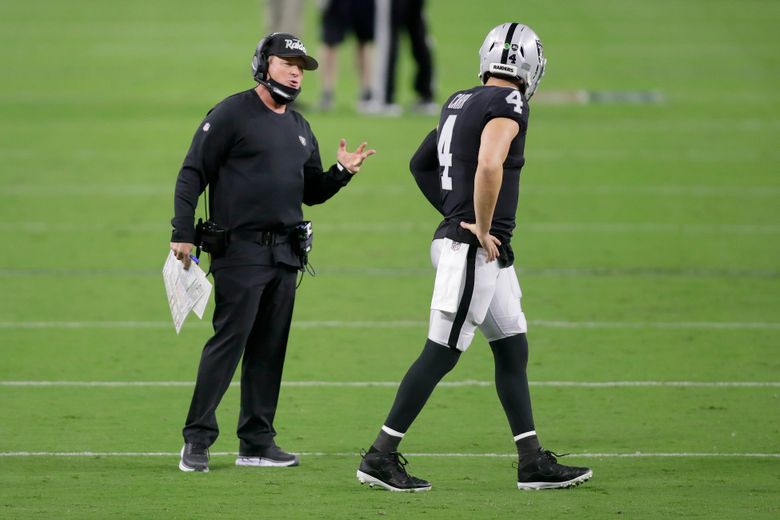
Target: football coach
{"points": [[261, 162]]}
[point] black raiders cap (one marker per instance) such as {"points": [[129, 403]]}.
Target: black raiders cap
{"points": [[288, 46]]}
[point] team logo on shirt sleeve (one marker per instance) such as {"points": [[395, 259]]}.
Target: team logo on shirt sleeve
{"points": [[302, 139]]}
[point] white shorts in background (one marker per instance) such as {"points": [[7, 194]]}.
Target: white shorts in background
{"points": [[470, 293]]}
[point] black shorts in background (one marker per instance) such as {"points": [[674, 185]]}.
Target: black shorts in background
{"points": [[342, 16]]}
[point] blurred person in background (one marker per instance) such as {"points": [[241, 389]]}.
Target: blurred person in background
{"points": [[284, 16], [407, 16], [393, 18], [339, 18]]}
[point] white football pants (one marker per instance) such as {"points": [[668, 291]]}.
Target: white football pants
{"points": [[470, 293]]}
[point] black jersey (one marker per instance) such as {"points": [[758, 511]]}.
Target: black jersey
{"points": [[457, 141], [260, 167]]}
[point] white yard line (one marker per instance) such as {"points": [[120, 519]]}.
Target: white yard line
{"points": [[391, 324], [393, 384], [557, 324], [637, 454]]}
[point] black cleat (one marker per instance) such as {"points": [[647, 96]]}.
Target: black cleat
{"points": [[194, 457], [544, 472], [387, 471], [269, 457]]}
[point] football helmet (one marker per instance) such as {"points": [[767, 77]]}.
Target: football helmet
{"points": [[514, 51]]}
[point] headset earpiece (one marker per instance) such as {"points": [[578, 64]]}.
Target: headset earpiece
{"points": [[260, 59], [259, 65]]}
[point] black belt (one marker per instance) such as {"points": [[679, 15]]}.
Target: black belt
{"points": [[265, 238]]}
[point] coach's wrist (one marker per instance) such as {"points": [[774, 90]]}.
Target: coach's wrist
{"points": [[343, 168]]}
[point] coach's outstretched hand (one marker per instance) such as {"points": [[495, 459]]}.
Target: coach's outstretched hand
{"points": [[353, 160]]}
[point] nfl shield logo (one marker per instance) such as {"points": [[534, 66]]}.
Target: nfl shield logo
{"points": [[303, 140]]}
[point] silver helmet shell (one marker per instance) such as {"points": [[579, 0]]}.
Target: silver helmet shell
{"points": [[514, 51]]}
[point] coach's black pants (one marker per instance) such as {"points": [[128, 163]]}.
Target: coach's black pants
{"points": [[254, 306]]}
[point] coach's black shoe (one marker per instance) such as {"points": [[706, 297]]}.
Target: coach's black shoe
{"points": [[269, 457], [387, 471], [194, 457], [544, 472]]}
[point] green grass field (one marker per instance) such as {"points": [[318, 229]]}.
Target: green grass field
{"points": [[647, 247]]}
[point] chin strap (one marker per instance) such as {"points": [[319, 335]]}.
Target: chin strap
{"points": [[282, 94]]}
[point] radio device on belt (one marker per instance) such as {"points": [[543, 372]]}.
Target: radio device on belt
{"points": [[209, 236], [213, 239]]}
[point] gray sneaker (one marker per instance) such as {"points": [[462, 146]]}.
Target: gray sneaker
{"points": [[428, 108], [194, 457], [326, 102], [269, 457]]}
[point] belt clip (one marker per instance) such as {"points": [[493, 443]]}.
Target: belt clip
{"points": [[268, 238]]}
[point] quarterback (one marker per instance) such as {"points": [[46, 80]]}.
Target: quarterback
{"points": [[469, 170]]}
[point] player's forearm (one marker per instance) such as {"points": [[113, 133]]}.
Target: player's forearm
{"points": [[487, 184], [494, 146], [425, 169]]}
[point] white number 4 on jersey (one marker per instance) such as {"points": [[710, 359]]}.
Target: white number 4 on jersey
{"points": [[517, 100], [445, 156]]}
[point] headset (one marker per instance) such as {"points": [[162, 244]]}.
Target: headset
{"points": [[260, 59]]}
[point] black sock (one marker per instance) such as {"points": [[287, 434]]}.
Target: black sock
{"points": [[385, 442], [527, 448], [511, 359], [416, 387]]}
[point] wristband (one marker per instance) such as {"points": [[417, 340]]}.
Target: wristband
{"points": [[342, 168]]}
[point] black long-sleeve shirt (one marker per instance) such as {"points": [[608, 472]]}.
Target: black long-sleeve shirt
{"points": [[424, 166], [260, 167]]}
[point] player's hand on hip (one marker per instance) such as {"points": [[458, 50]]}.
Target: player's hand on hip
{"points": [[353, 160], [182, 250], [488, 242]]}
